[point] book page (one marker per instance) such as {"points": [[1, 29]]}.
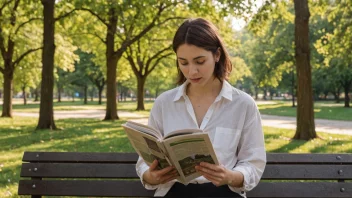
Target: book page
{"points": [[189, 150], [144, 128], [182, 132], [148, 147]]}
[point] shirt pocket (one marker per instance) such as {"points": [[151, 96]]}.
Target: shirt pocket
{"points": [[225, 143]]}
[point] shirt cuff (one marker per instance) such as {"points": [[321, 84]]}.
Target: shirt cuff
{"points": [[145, 184], [246, 185]]}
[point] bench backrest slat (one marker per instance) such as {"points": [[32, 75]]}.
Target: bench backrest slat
{"points": [[78, 170], [91, 170], [310, 158], [272, 158], [80, 157], [321, 172]]}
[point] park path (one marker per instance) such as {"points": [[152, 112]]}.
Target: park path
{"points": [[321, 125]]}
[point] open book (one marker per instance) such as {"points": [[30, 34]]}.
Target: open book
{"points": [[183, 149]]}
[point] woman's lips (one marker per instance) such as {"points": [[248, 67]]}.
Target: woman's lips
{"points": [[195, 80]]}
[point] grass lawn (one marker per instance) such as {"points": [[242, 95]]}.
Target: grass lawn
{"points": [[78, 105], [91, 135], [323, 110]]}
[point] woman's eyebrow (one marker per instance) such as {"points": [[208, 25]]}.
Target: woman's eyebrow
{"points": [[193, 58]]}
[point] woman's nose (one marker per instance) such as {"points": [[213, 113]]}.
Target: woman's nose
{"points": [[193, 70]]}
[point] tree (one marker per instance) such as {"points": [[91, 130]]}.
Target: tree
{"points": [[305, 114], [46, 114], [143, 60], [17, 46], [336, 45]]}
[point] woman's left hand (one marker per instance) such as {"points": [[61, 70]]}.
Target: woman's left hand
{"points": [[217, 174]]}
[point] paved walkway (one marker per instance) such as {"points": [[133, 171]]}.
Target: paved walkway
{"points": [[321, 125]]}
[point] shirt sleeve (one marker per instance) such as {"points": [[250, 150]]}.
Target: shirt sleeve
{"points": [[155, 122], [251, 152]]}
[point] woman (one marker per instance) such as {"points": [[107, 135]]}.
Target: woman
{"points": [[205, 100]]}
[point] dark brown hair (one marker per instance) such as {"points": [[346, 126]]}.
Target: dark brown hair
{"points": [[203, 34]]}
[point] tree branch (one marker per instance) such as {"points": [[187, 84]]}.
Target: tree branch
{"points": [[133, 65], [94, 14], [157, 54], [2, 44], [148, 27], [2, 70], [3, 6], [157, 61], [25, 54], [171, 18], [65, 15], [13, 15], [18, 28]]}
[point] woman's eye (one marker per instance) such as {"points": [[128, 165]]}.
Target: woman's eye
{"points": [[183, 63], [200, 62]]}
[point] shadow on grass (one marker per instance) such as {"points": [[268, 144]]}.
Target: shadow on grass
{"points": [[292, 145], [329, 147]]}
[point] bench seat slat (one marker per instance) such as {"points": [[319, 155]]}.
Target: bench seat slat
{"points": [[272, 158], [301, 189], [135, 189], [90, 170], [84, 188]]}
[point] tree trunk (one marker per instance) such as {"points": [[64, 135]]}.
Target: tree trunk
{"points": [[7, 100], [85, 94], [305, 114], [59, 90], [73, 96], [36, 95], [293, 87], [46, 116], [111, 64], [140, 93], [100, 92], [24, 95], [264, 94], [347, 97]]}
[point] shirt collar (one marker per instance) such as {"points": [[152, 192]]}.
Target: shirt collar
{"points": [[226, 91]]}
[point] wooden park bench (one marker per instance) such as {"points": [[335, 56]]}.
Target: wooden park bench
{"points": [[114, 175]]}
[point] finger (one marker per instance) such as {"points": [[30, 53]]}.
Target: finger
{"points": [[214, 181], [210, 166], [208, 171], [212, 177], [165, 170], [153, 165], [169, 178]]}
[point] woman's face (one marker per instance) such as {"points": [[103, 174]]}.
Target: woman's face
{"points": [[197, 64]]}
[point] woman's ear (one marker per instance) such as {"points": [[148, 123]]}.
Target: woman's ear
{"points": [[217, 54]]}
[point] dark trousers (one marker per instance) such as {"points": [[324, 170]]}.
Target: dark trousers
{"points": [[200, 190]]}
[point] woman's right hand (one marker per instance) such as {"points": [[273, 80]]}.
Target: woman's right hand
{"points": [[154, 176]]}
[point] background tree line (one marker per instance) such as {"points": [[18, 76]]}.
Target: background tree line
{"points": [[119, 46]]}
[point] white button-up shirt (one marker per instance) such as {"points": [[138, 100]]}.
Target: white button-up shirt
{"points": [[234, 126]]}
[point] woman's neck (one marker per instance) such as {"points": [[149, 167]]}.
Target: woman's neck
{"points": [[212, 88]]}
